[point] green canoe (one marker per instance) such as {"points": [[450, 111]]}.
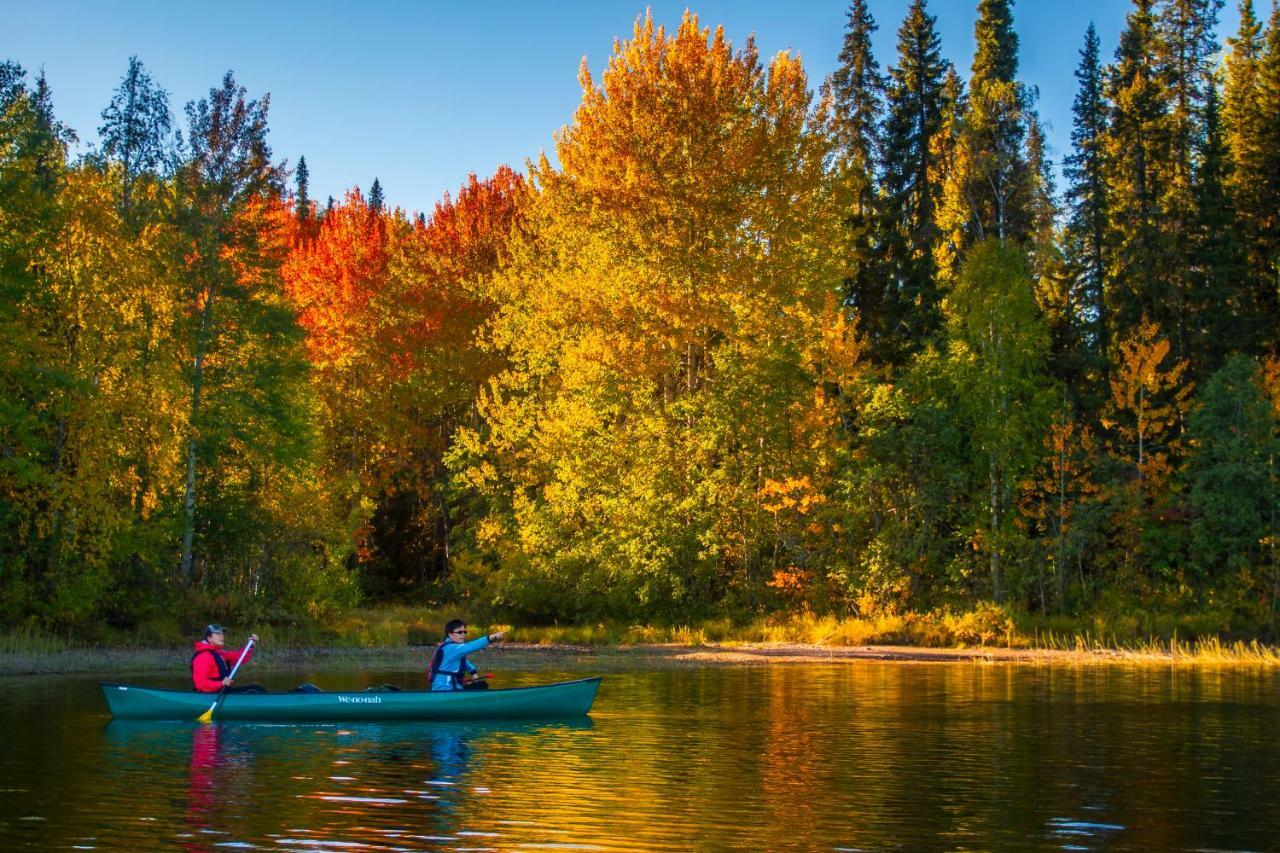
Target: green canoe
{"points": [[564, 699]]}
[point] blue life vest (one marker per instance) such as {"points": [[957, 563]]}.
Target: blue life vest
{"points": [[459, 677]]}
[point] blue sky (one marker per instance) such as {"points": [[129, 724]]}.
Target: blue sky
{"points": [[419, 94]]}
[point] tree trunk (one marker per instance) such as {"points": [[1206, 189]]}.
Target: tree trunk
{"points": [[994, 547], [189, 499]]}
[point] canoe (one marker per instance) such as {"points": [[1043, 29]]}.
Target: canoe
{"points": [[563, 699]]}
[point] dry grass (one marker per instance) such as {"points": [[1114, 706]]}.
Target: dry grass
{"points": [[1206, 650], [393, 630]]}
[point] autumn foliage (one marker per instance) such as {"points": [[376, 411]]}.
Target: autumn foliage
{"points": [[749, 343]]}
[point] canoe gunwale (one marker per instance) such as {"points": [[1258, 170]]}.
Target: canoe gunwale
{"points": [[558, 699], [106, 684]]}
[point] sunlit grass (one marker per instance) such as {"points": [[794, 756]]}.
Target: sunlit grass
{"points": [[1093, 638], [1205, 650]]}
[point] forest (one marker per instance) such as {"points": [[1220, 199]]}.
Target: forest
{"points": [[751, 344]]}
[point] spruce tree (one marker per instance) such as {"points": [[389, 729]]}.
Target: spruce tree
{"points": [[910, 313], [996, 57], [1241, 118], [1137, 163], [1224, 318], [302, 201], [137, 130], [1183, 47], [995, 183], [375, 197], [1185, 44], [856, 91], [1048, 265], [1265, 214], [50, 138], [1087, 206]]}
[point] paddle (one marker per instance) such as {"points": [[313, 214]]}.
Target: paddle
{"points": [[473, 679], [207, 716]]}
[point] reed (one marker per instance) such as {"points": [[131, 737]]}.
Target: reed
{"points": [[31, 641]]}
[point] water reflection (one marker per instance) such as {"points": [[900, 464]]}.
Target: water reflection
{"points": [[825, 757], [202, 785], [402, 786]]}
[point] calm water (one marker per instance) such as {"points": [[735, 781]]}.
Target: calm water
{"points": [[811, 757]]}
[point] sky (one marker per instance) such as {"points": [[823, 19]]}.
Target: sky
{"points": [[421, 94]]}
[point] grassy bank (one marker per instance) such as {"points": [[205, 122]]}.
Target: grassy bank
{"points": [[394, 637]]}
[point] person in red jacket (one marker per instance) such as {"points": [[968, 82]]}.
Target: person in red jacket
{"points": [[211, 664]]}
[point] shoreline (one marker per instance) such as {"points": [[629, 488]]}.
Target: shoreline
{"points": [[111, 661]]}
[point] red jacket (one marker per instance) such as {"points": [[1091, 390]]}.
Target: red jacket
{"points": [[206, 675]]}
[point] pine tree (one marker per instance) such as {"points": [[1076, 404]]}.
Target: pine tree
{"points": [[375, 197], [910, 313], [856, 90], [301, 200], [137, 130], [1087, 205]]}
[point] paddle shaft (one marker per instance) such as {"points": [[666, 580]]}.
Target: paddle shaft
{"points": [[208, 715], [239, 661]]}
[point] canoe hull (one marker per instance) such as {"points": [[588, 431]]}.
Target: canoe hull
{"points": [[565, 699]]}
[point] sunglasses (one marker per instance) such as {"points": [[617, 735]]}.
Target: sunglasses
{"points": [[459, 631]]}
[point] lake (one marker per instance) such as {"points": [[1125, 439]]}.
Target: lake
{"points": [[856, 756]]}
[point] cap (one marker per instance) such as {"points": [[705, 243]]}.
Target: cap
{"points": [[213, 628]]}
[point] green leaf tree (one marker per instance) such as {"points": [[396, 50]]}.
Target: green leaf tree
{"points": [[998, 345], [1233, 439]]}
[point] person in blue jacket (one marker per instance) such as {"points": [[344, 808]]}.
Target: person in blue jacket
{"points": [[450, 669]]}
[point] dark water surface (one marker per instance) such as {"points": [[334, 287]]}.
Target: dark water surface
{"points": [[868, 756]]}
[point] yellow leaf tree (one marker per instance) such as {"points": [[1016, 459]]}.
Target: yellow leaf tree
{"points": [[1144, 418], [666, 322]]}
